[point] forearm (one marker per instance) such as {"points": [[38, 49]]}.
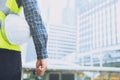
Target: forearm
{"points": [[37, 27]]}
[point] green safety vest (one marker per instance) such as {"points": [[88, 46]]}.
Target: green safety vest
{"points": [[6, 7]]}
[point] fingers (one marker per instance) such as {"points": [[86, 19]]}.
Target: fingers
{"points": [[37, 65], [41, 70], [41, 67]]}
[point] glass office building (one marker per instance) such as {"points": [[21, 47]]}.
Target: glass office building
{"points": [[98, 27], [61, 30], [62, 41]]}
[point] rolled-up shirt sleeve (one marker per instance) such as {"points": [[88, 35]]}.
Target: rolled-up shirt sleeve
{"points": [[37, 28]]}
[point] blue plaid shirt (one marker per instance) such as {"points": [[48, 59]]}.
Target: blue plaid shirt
{"points": [[37, 28]]}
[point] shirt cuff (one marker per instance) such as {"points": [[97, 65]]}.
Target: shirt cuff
{"points": [[42, 54]]}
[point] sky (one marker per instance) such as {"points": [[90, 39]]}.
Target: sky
{"points": [[55, 9]]}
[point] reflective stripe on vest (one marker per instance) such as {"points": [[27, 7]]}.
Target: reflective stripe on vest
{"points": [[10, 6]]}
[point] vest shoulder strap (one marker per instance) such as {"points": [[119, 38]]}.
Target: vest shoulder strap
{"points": [[19, 2], [10, 6]]}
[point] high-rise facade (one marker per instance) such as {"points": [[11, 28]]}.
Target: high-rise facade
{"points": [[62, 35], [98, 26], [69, 14], [62, 41]]}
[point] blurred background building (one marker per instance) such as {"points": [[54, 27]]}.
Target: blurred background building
{"points": [[98, 31], [84, 40]]}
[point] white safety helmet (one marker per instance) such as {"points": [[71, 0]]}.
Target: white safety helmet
{"points": [[16, 29]]}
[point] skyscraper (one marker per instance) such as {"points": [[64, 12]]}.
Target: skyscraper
{"points": [[69, 13], [62, 34], [62, 41], [98, 26]]}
